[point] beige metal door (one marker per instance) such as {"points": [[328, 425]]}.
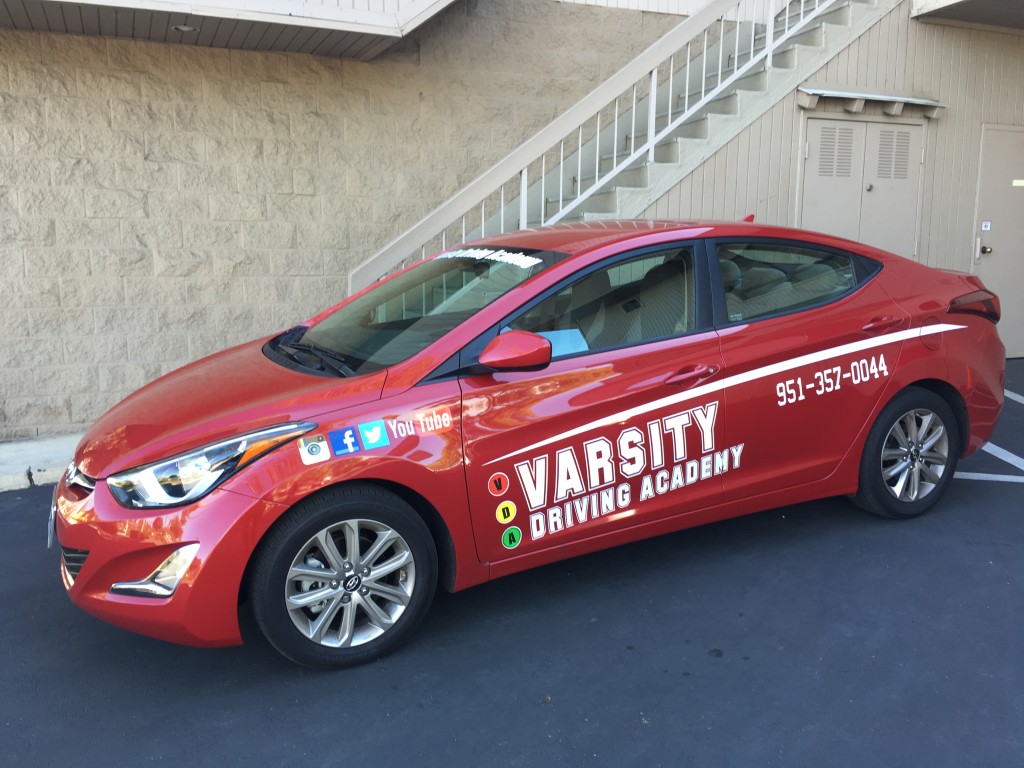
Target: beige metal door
{"points": [[833, 172], [892, 180], [1000, 233], [862, 180]]}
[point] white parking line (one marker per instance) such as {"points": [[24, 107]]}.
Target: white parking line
{"points": [[1005, 455], [986, 476], [999, 453], [1013, 396]]}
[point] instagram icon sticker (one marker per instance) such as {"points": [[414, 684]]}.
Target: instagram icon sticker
{"points": [[314, 449]]}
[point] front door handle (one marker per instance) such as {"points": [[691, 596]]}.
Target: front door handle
{"points": [[986, 250], [691, 374], [880, 324]]}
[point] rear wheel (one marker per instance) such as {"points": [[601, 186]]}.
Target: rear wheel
{"points": [[344, 578], [910, 455]]}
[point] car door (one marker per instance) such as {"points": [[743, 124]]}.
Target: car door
{"points": [[614, 432], [809, 341]]}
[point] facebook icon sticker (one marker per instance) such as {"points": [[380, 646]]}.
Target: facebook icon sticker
{"points": [[344, 441]]}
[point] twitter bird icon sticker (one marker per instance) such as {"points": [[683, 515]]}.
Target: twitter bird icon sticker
{"points": [[373, 434]]}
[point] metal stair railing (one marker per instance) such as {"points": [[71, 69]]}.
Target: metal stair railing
{"points": [[578, 155]]}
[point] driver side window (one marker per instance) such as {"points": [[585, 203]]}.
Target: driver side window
{"points": [[647, 298]]}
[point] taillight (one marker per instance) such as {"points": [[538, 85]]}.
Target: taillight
{"points": [[983, 303]]}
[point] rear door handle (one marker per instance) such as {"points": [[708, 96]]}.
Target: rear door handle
{"points": [[691, 374], [880, 324]]}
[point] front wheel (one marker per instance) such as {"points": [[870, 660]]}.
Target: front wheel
{"points": [[345, 577], [910, 455]]}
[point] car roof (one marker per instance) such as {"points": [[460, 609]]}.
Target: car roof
{"points": [[580, 237]]}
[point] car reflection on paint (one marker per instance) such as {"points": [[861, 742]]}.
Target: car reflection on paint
{"points": [[516, 401]]}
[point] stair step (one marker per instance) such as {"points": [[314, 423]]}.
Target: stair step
{"points": [[838, 15], [600, 202], [745, 57], [753, 81], [631, 177], [589, 216], [809, 7], [813, 36], [696, 128], [727, 104], [841, 16], [786, 58], [674, 149]]}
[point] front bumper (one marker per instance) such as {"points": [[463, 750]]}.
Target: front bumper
{"points": [[103, 544]]}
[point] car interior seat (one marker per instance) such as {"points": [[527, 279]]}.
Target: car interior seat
{"points": [[664, 299], [587, 308]]}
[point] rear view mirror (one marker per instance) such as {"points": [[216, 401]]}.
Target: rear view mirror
{"points": [[516, 351]]}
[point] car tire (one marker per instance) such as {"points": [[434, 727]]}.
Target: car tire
{"points": [[344, 577], [910, 455]]}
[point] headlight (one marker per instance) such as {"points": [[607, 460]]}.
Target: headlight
{"points": [[190, 476]]}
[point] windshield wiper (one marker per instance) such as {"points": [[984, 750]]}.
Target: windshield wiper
{"points": [[328, 357]]}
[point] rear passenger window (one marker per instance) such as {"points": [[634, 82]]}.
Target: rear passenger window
{"points": [[763, 279], [632, 302]]}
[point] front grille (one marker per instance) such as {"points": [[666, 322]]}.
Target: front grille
{"points": [[72, 561], [75, 476]]}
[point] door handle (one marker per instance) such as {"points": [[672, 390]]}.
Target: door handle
{"points": [[986, 250], [879, 324], [691, 374]]}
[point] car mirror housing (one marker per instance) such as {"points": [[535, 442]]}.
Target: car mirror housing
{"points": [[516, 351]]}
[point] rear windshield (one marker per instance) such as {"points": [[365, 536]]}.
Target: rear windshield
{"points": [[403, 315]]}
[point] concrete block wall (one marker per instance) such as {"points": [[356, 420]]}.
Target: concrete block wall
{"points": [[161, 202]]}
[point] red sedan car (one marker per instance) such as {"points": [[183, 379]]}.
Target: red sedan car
{"points": [[512, 402]]}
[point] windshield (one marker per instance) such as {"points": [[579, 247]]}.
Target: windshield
{"points": [[403, 315]]}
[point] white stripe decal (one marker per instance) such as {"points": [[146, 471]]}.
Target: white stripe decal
{"points": [[739, 378], [1014, 396], [986, 476]]}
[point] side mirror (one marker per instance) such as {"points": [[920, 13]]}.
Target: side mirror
{"points": [[516, 351]]}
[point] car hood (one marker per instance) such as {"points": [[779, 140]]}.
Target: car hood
{"points": [[230, 393]]}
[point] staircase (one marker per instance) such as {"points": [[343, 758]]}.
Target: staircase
{"points": [[651, 124]]}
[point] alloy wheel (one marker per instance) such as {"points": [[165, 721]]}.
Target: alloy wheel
{"points": [[349, 583], [914, 455]]}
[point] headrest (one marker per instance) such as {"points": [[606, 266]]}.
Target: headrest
{"points": [[731, 274], [591, 288], [668, 270], [811, 271], [761, 280]]}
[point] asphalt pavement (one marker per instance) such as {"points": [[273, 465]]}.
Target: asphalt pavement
{"points": [[813, 635]]}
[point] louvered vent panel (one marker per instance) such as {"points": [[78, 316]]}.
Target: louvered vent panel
{"points": [[835, 153], [844, 153], [886, 144], [893, 154], [901, 155], [827, 153]]}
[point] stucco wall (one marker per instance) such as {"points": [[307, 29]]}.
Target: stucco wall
{"points": [[160, 202]]}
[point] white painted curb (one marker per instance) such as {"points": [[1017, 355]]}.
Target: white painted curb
{"points": [[35, 462]]}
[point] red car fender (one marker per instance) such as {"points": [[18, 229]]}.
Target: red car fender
{"points": [[285, 482]]}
